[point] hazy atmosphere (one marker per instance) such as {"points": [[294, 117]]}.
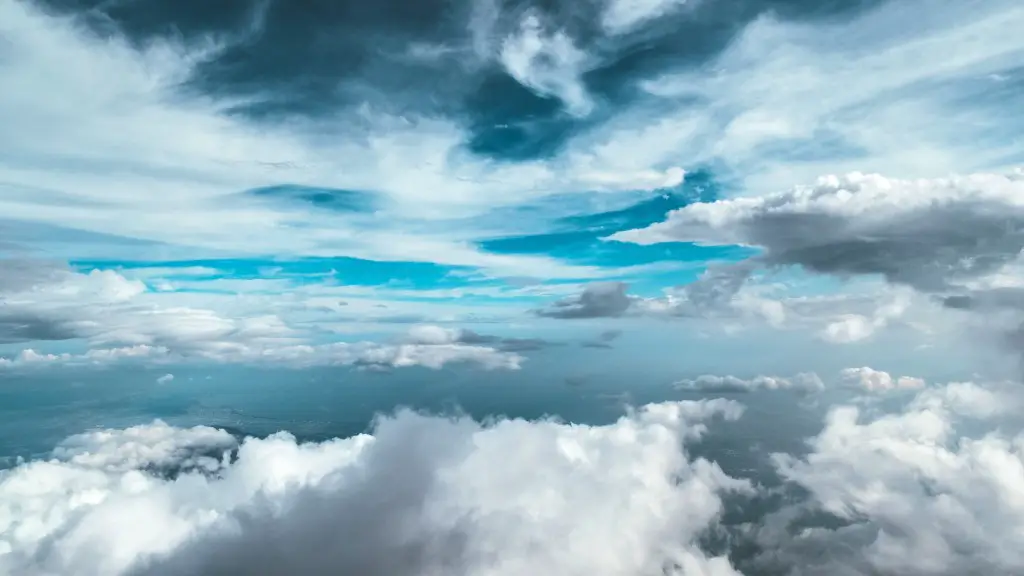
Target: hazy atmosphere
{"points": [[511, 288]]}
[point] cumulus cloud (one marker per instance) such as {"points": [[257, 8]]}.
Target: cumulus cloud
{"points": [[165, 379], [803, 383], [916, 496], [871, 380], [421, 495], [927, 234]]}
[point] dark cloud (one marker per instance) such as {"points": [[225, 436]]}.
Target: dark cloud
{"points": [[361, 529], [710, 296], [438, 57], [929, 235], [603, 340], [504, 344], [25, 327], [576, 381], [598, 300]]}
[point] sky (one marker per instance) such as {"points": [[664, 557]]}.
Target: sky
{"points": [[494, 287]]}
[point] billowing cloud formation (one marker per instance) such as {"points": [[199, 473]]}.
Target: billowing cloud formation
{"points": [[804, 383], [917, 497], [871, 380], [422, 495]]}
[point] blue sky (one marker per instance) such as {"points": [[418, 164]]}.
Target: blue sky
{"points": [[511, 208]]}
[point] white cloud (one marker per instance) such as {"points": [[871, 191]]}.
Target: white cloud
{"points": [[193, 159], [423, 495], [985, 402], [98, 356], [111, 314], [548, 63], [767, 111], [165, 379], [871, 380], [920, 497], [625, 15], [804, 383], [139, 447]]}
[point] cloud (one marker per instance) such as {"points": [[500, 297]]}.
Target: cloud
{"points": [[116, 317], [437, 335], [804, 383], [597, 300], [165, 379], [548, 63], [957, 240], [28, 357], [857, 327], [927, 234], [603, 340], [765, 110], [985, 402], [155, 446], [423, 494], [916, 497], [871, 380], [625, 15]]}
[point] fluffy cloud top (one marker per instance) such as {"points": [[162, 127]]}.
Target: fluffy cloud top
{"points": [[917, 497], [422, 495]]}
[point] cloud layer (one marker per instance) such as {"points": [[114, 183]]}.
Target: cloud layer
{"points": [[422, 495]]}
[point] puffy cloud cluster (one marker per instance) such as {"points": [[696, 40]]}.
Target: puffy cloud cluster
{"points": [[421, 495], [803, 383], [871, 380], [916, 494]]}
